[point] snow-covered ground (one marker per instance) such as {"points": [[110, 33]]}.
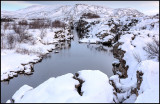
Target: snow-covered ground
{"points": [[95, 88], [149, 68], [149, 90], [100, 32], [133, 44], [134, 31], [24, 55], [106, 29]]}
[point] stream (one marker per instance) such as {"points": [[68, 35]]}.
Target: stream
{"points": [[72, 57]]}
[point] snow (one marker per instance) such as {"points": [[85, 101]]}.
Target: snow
{"points": [[95, 31], [149, 67], [96, 88], [19, 94], [149, 90], [132, 98], [11, 62], [58, 89], [116, 62], [61, 11], [8, 101], [149, 96], [42, 46]]}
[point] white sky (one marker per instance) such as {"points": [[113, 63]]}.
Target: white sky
{"points": [[147, 7]]}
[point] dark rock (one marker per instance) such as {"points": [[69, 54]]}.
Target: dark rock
{"points": [[79, 86], [139, 79], [114, 86], [107, 43], [121, 68], [134, 91]]}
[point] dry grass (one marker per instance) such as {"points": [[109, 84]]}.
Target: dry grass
{"points": [[152, 49]]}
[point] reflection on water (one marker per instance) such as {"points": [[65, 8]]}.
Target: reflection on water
{"points": [[47, 56], [100, 48], [6, 83], [63, 45], [66, 45], [70, 58]]}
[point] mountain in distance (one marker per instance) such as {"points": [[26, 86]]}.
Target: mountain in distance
{"points": [[68, 11]]}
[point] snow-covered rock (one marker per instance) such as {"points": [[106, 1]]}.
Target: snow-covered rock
{"points": [[141, 72], [96, 89]]}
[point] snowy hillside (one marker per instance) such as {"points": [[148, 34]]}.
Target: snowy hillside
{"points": [[74, 12], [126, 12]]}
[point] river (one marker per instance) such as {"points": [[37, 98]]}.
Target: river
{"points": [[72, 57]]}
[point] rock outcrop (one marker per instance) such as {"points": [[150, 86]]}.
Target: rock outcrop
{"points": [[120, 68]]}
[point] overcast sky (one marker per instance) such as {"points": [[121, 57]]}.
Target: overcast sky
{"points": [[147, 7]]}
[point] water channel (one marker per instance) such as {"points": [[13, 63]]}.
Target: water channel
{"points": [[72, 57]]}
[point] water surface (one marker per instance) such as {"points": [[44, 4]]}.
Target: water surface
{"points": [[72, 57]]}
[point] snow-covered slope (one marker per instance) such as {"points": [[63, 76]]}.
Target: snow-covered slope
{"points": [[126, 12], [67, 11]]}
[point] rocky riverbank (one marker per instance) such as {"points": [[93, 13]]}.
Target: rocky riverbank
{"points": [[28, 54], [128, 36]]}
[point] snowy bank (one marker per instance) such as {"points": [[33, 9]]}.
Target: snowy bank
{"points": [[136, 73], [24, 55], [149, 89], [95, 88]]}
